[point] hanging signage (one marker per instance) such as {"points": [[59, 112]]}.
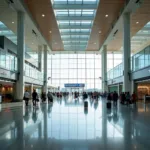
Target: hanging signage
{"points": [[75, 85]]}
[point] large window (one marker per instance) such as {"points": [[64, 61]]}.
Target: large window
{"points": [[75, 68]]}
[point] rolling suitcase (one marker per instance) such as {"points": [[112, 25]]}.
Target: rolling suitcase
{"points": [[109, 105], [85, 104]]}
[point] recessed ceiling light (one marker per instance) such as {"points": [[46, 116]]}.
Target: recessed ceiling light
{"points": [[94, 43], [32, 43], [43, 15], [13, 22], [106, 15], [100, 32], [50, 31], [137, 22]]}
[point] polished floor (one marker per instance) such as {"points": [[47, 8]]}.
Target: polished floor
{"points": [[66, 125]]}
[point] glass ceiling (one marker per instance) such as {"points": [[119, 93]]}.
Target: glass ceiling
{"points": [[75, 20]]}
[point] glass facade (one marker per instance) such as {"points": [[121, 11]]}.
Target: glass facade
{"points": [[75, 68]]}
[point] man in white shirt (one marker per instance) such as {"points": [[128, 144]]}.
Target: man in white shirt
{"points": [[26, 97]]}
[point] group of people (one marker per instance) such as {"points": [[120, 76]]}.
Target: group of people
{"points": [[35, 97], [125, 98]]}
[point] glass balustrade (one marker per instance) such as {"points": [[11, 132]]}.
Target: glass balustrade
{"points": [[138, 61], [9, 61]]}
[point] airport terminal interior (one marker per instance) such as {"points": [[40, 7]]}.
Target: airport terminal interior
{"points": [[74, 74]]}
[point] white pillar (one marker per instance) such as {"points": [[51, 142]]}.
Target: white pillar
{"points": [[45, 69], [104, 69], [21, 56], [40, 57], [126, 53], [31, 90]]}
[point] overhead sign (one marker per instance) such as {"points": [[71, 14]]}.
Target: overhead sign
{"points": [[75, 85]]}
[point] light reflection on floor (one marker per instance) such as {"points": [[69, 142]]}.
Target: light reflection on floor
{"points": [[66, 125]]}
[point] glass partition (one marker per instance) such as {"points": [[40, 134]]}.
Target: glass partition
{"points": [[32, 72], [8, 61], [141, 59], [138, 61]]}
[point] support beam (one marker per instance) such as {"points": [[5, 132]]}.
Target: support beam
{"points": [[45, 69], [126, 53], [21, 56], [75, 26], [40, 58], [76, 18], [104, 69], [74, 6], [76, 33]]}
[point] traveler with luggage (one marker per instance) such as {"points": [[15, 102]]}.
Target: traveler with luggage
{"points": [[50, 97], [34, 97], [43, 96], [128, 98], [134, 97], [115, 98], [26, 97]]}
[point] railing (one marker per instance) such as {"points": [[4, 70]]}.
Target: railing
{"points": [[115, 72], [9, 61], [33, 72], [138, 61]]}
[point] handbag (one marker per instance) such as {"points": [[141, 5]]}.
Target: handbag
{"points": [[24, 98]]}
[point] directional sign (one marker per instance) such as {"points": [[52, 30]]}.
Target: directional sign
{"points": [[75, 85]]}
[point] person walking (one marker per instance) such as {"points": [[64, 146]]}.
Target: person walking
{"points": [[134, 97], [128, 98], [115, 98], [26, 97], [50, 97], [43, 97], [34, 97]]}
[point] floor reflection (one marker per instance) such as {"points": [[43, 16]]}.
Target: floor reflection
{"points": [[67, 125]]}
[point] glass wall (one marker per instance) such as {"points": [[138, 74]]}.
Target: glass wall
{"points": [[113, 59], [75, 68], [8, 61], [141, 59], [32, 72], [138, 61]]}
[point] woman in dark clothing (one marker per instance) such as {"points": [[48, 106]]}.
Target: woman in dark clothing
{"points": [[34, 97]]}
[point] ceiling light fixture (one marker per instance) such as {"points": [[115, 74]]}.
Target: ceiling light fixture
{"points": [[106, 15], [100, 32], [43, 15], [50, 31], [32, 43], [13, 22], [94, 43], [137, 22]]}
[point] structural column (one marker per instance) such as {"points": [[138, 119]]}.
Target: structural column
{"points": [[31, 90], [45, 69], [21, 56], [104, 69], [40, 58], [126, 53]]}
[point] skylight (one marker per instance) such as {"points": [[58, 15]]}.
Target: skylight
{"points": [[75, 20]]}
